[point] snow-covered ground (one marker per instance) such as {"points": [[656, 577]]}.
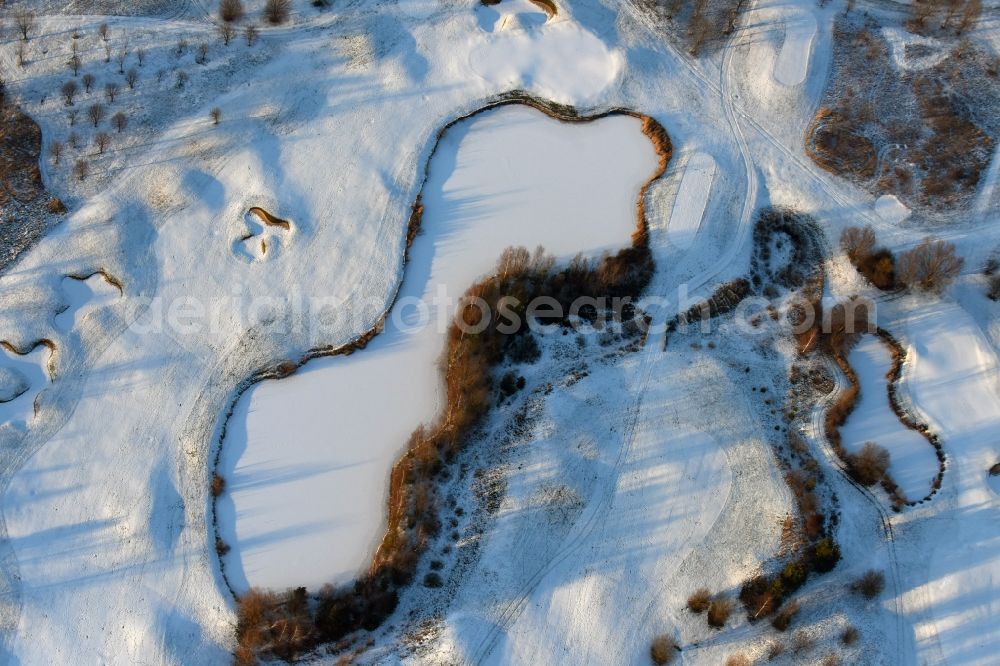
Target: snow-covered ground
{"points": [[649, 478], [913, 464], [692, 200], [510, 176]]}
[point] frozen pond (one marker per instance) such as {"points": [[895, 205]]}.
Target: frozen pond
{"points": [[913, 464], [307, 458]]}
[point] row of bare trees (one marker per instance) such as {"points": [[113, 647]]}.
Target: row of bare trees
{"points": [[275, 11]]}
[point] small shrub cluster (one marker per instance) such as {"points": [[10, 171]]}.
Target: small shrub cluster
{"points": [[738, 660], [273, 625], [784, 617], [217, 485], [930, 266], [663, 650], [719, 611], [870, 585], [869, 465], [700, 600], [876, 263]]}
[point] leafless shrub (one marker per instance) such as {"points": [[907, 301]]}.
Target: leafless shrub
{"points": [[119, 121], [140, 55], [785, 616], [74, 64], [182, 79], [216, 115], [56, 206], [277, 11], [775, 650], [850, 635], [870, 585], [663, 650], [96, 113], [218, 484], [226, 31], [25, 21], [122, 57], [101, 140], [182, 47], [858, 242], [719, 611], [201, 55], [230, 10], [107, 51], [88, 82], [700, 600], [73, 140], [55, 151], [80, 169], [869, 465], [830, 660], [69, 92], [739, 660], [111, 91], [930, 266], [131, 76], [250, 34], [103, 31]]}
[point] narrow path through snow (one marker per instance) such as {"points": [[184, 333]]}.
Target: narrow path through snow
{"points": [[306, 458]]}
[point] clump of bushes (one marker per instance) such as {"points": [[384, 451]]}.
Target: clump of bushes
{"points": [[217, 485], [870, 585], [784, 618], [700, 600], [876, 263], [273, 625], [869, 465], [719, 611], [850, 635], [930, 266], [663, 650]]}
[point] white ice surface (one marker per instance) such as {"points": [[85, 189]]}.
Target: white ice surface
{"points": [[913, 464], [691, 201], [307, 457]]}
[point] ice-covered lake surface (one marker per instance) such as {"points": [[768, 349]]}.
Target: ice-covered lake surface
{"points": [[912, 461], [306, 458]]}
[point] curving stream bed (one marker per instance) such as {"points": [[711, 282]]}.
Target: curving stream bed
{"points": [[306, 459]]}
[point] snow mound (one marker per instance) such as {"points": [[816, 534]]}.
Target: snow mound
{"points": [[891, 209], [13, 383], [82, 298]]}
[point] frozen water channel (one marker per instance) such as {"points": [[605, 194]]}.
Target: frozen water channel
{"points": [[307, 458]]}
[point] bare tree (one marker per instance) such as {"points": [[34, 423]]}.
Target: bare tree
{"points": [[80, 169], [107, 51], [131, 76], [277, 11], [250, 34], [870, 464], [71, 116], [101, 140], [88, 81], [120, 121], [121, 57], [858, 242], [69, 92], [73, 140], [104, 32], [227, 31], [216, 115], [25, 21], [111, 91], [201, 55], [56, 150], [140, 55], [96, 113], [930, 266], [74, 64], [230, 10], [182, 46], [182, 78], [22, 52]]}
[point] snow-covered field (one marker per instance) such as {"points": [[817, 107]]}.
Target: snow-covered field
{"points": [[510, 176], [650, 474]]}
